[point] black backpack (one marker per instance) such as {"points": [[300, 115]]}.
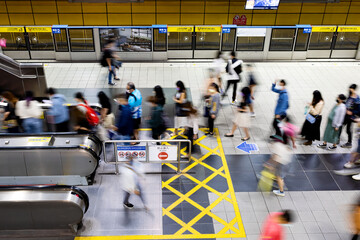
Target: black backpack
{"points": [[237, 69]]}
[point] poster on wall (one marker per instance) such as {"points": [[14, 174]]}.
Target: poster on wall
{"points": [[127, 39]]}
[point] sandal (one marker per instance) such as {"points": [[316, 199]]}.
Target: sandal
{"points": [[229, 135], [245, 139]]}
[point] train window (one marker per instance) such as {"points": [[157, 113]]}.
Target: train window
{"points": [[302, 40], [159, 40], [228, 40], [81, 40], [179, 40], [282, 39], [320, 40], [208, 41], [127, 39], [41, 41], [250, 43], [347, 40], [61, 43], [15, 41]]}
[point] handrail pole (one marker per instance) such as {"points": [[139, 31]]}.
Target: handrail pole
{"points": [[179, 157], [116, 160]]}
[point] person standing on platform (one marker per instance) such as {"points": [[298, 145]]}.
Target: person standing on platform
{"points": [[273, 229], [192, 128], [335, 120], [180, 100], [282, 106], [252, 85], [311, 127], [30, 112], [58, 111], [156, 121], [214, 106], [108, 60], [135, 101], [124, 120], [233, 68], [352, 110], [218, 66]]}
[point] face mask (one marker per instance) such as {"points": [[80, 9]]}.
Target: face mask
{"points": [[337, 100], [350, 92], [127, 91], [178, 88], [212, 90], [279, 88], [286, 225]]}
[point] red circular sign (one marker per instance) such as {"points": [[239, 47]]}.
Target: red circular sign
{"points": [[135, 154], [121, 154], [163, 156], [128, 154], [142, 154]]}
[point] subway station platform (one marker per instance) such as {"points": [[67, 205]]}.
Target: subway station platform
{"points": [[215, 196]]}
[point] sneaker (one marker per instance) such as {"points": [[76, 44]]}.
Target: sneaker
{"points": [[356, 177], [209, 133], [349, 165], [234, 102], [112, 84], [117, 79], [276, 137], [322, 145], [278, 193], [252, 115], [128, 205], [332, 147], [347, 145]]}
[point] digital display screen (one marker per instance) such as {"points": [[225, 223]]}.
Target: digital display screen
{"points": [[262, 4]]}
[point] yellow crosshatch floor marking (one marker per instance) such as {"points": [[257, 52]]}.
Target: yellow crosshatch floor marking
{"points": [[235, 225]]}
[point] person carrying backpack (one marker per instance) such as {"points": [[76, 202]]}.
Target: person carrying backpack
{"points": [[86, 118], [109, 60], [233, 68]]}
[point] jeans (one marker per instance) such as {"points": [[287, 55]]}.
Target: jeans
{"points": [[229, 82], [121, 137], [32, 125], [112, 72]]}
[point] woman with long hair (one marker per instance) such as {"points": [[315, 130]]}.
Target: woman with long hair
{"points": [[159, 95], [180, 99], [82, 124], [30, 112], [311, 127], [107, 117], [10, 120]]}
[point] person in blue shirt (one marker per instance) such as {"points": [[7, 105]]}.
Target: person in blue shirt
{"points": [[282, 106], [58, 111], [123, 121], [135, 101]]}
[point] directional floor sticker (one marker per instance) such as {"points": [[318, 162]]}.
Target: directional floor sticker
{"points": [[246, 147]]}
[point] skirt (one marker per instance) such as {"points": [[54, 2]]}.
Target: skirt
{"points": [[242, 120], [330, 134], [310, 131]]}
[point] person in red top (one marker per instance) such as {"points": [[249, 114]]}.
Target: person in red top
{"points": [[272, 229]]}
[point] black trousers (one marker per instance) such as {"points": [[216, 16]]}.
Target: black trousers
{"points": [[127, 195], [232, 82], [62, 127], [348, 122], [276, 124], [355, 237], [211, 124]]}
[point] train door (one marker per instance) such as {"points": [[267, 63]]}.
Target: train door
{"points": [[207, 41], [82, 44], [180, 42], [61, 42], [228, 38], [281, 43], [301, 42], [321, 41], [40, 42], [16, 46], [250, 42], [346, 42]]}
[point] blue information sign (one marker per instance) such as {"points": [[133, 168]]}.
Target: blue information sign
{"points": [[307, 30], [162, 30], [226, 30], [56, 30]]}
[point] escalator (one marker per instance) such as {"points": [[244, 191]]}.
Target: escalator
{"points": [[21, 77], [41, 212]]}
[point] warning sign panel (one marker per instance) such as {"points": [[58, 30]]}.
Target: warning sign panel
{"points": [[137, 152], [163, 153]]}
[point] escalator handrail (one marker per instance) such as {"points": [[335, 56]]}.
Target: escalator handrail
{"points": [[81, 194]]}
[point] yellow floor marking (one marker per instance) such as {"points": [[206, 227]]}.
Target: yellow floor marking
{"points": [[229, 196]]}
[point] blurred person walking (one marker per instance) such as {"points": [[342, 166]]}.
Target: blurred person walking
{"points": [[180, 99], [156, 122], [214, 106], [84, 110], [192, 128], [233, 68], [124, 120], [242, 116], [58, 111], [311, 126], [10, 120], [135, 102], [109, 60], [252, 85], [356, 221], [282, 106], [218, 66], [352, 110], [335, 120], [159, 95], [107, 117], [273, 226], [131, 176], [29, 112]]}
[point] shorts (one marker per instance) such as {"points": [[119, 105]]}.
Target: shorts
{"points": [[180, 122], [136, 123]]}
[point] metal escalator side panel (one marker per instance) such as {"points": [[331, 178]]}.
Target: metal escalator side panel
{"points": [[82, 163]]}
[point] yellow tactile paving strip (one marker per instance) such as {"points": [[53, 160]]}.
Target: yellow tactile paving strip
{"points": [[235, 225]]}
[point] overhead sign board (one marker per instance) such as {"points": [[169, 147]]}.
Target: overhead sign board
{"points": [[307, 30], [348, 29], [11, 29], [208, 29], [38, 29], [180, 29], [56, 30], [162, 30], [226, 30], [323, 28], [251, 32]]}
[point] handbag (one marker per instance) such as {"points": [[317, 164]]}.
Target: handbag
{"points": [[310, 118]]}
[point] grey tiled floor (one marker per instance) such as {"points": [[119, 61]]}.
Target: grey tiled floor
{"points": [[319, 215], [331, 78]]}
